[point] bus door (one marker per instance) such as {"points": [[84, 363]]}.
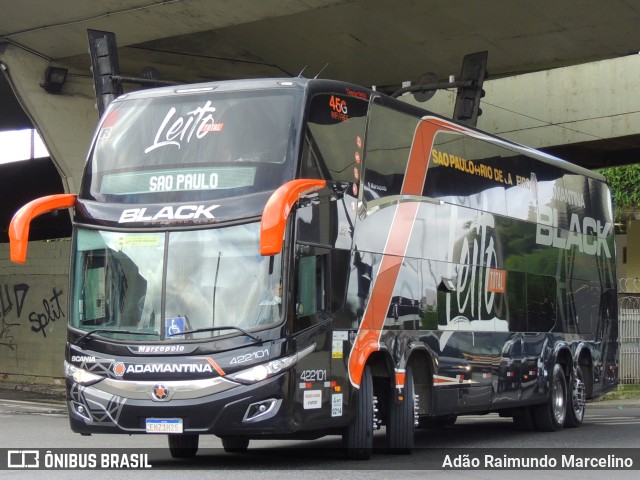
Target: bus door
{"points": [[332, 150]]}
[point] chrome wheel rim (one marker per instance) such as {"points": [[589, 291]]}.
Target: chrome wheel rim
{"points": [[558, 399]]}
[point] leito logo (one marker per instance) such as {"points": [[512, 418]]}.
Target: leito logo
{"points": [[118, 369]]}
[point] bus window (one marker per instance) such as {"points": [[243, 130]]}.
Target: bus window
{"points": [[541, 303], [94, 311], [521, 199], [318, 273], [333, 138], [188, 147], [113, 279], [389, 139], [310, 287], [404, 311], [468, 172], [216, 277]]}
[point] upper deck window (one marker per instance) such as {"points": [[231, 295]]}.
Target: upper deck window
{"points": [[334, 138], [186, 147]]}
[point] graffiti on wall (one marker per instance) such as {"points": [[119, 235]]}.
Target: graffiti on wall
{"points": [[18, 307]]}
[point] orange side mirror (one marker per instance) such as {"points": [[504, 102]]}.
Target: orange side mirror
{"points": [[277, 209], [21, 221]]}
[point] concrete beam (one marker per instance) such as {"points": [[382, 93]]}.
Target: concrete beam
{"points": [[594, 101], [581, 103]]}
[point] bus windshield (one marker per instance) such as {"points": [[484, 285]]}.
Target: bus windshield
{"points": [[167, 283], [192, 147]]}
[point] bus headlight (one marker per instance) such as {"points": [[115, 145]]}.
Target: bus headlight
{"points": [[80, 375], [269, 369]]}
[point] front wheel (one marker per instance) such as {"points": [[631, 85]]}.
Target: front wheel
{"points": [[576, 400], [184, 445], [550, 416], [358, 436]]}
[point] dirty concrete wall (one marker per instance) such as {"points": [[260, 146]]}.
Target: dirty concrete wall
{"points": [[33, 313]]}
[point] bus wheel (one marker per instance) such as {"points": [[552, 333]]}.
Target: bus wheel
{"points": [[550, 416], [358, 436], [184, 445], [235, 444], [402, 417], [576, 400]]}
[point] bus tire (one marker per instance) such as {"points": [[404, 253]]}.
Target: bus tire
{"points": [[358, 436], [402, 416], [576, 400], [550, 416], [235, 444], [184, 445]]}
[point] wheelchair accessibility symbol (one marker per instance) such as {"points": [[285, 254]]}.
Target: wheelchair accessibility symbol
{"points": [[174, 327]]}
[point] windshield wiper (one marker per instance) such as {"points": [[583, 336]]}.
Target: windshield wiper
{"points": [[215, 329], [85, 337]]}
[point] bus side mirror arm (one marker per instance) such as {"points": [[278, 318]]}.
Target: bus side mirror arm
{"points": [[277, 210], [21, 221]]}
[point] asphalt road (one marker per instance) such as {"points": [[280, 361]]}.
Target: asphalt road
{"points": [[31, 421]]}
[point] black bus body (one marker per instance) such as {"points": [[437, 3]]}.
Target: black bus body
{"points": [[293, 258]]}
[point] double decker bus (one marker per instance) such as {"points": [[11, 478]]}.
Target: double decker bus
{"points": [[294, 258]]}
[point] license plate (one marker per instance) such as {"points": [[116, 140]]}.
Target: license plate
{"points": [[164, 425]]}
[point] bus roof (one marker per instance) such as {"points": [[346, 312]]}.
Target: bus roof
{"points": [[361, 92]]}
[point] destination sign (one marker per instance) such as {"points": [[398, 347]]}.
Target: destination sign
{"points": [[178, 180]]}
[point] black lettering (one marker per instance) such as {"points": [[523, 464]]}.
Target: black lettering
{"points": [[41, 321], [52, 312], [8, 307], [20, 293]]}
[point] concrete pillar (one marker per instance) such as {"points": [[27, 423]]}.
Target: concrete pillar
{"points": [[65, 121]]}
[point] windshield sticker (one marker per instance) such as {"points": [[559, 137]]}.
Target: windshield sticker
{"points": [[139, 241], [174, 328], [173, 131]]}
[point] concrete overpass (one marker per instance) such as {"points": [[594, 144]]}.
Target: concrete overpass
{"points": [[564, 76]]}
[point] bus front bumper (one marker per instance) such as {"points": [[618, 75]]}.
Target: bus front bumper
{"points": [[216, 406]]}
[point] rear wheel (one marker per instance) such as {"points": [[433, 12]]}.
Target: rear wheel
{"points": [[576, 400], [402, 417], [550, 416], [235, 444], [184, 445], [358, 436]]}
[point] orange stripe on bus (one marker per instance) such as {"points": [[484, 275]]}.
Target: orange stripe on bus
{"points": [[368, 338], [216, 366]]}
